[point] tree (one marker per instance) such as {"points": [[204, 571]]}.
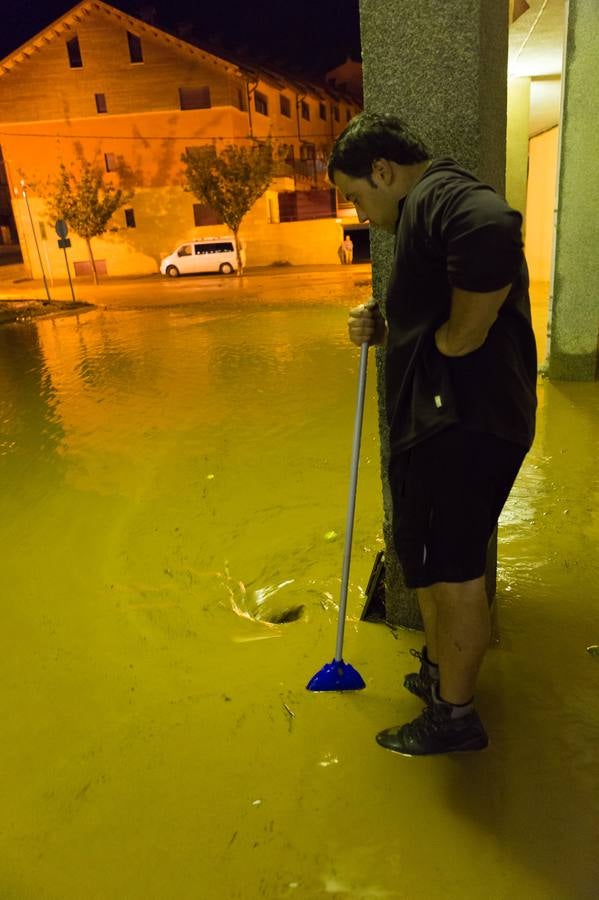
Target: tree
{"points": [[86, 202], [230, 181]]}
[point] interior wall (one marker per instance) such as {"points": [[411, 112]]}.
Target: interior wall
{"points": [[516, 158], [540, 203]]}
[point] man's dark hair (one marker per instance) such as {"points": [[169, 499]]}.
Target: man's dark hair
{"points": [[371, 136]]}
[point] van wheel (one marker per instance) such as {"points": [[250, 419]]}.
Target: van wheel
{"points": [[226, 269], [172, 272]]}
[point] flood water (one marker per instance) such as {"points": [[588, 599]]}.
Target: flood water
{"points": [[170, 480]]}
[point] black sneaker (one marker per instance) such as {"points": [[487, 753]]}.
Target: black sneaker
{"points": [[435, 731], [420, 683]]}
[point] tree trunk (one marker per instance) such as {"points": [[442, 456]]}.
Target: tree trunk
{"points": [[92, 260], [238, 252]]}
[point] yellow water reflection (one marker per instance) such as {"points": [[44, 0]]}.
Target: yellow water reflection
{"points": [[165, 475]]}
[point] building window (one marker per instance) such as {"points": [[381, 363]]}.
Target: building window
{"points": [[240, 96], [85, 267], [135, 51], [261, 103], [194, 97], [110, 162], [205, 215], [285, 106], [336, 113], [305, 111], [295, 206], [284, 163], [101, 103], [130, 218], [74, 51], [347, 115], [322, 111]]}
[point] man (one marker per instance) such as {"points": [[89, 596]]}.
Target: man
{"points": [[460, 392], [348, 246]]}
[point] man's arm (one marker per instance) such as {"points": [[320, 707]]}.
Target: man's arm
{"points": [[472, 315]]}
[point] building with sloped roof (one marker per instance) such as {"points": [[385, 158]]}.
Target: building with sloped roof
{"points": [[103, 86]]}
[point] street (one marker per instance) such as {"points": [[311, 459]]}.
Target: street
{"points": [[272, 284]]}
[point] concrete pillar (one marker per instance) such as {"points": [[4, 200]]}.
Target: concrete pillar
{"points": [[516, 167], [574, 308], [443, 68]]}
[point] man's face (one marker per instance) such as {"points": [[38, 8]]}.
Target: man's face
{"points": [[375, 203]]}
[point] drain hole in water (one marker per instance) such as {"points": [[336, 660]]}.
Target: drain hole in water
{"points": [[291, 614]]}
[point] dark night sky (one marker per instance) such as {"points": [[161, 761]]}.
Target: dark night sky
{"points": [[300, 35]]}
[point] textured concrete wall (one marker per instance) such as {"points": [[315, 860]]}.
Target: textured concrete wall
{"points": [[442, 67], [573, 353]]}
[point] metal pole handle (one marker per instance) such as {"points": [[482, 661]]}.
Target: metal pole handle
{"points": [[351, 506]]}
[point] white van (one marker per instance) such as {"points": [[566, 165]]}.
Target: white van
{"points": [[214, 254]]}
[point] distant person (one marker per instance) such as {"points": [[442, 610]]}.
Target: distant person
{"points": [[348, 250], [461, 369]]}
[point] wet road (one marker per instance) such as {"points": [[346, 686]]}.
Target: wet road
{"points": [[170, 474]]}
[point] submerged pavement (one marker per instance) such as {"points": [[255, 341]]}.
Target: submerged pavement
{"points": [[264, 285], [172, 474]]}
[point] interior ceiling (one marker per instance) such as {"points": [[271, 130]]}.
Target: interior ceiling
{"points": [[535, 51], [536, 39]]}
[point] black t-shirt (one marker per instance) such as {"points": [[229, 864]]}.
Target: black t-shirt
{"points": [[453, 230]]}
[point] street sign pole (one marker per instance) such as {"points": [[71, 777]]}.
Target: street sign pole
{"points": [[66, 261], [64, 242]]}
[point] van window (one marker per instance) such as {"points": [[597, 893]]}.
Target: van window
{"points": [[224, 247], [184, 251]]}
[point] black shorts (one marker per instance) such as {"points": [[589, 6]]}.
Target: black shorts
{"points": [[447, 494]]}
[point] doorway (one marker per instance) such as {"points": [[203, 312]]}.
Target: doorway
{"points": [[360, 237]]}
